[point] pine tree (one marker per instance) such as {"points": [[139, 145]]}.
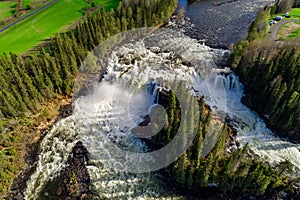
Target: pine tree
{"points": [[179, 169], [190, 175]]}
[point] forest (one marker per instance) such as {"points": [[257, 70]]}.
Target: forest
{"points": [[232, 172], [50, 71], [271, 74]]}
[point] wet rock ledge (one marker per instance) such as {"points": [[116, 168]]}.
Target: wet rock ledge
{"points": [[74, 181]]}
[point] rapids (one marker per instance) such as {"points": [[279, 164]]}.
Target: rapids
{"points": [[102, 119]]}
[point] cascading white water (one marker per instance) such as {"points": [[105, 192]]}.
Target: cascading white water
{"points": [[120, 101], [152, 89], [52, 156], [252, 129]]}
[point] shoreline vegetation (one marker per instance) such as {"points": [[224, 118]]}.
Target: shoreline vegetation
{"points": [[25, 145], [271, 74], [49, 73], [227, 173]]}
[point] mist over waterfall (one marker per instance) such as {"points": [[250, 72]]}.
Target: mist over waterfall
{"points": [[103, 118]]}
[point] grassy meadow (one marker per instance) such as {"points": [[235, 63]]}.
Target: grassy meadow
{"points": [[34, 3], [291, 31], [25, 35], [6, 9], [295, 13]]}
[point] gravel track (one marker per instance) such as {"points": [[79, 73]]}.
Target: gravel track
{"points": [[274, 30]]}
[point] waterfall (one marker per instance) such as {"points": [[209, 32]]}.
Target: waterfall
{"points": [[104, 118], [53, 155], [152, 89], [251, 128], [230, 81]]}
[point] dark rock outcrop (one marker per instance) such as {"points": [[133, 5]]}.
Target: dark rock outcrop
{"points": [[73, 182], [17, 188]]}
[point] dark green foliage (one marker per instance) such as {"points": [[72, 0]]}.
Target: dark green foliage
{"points": [[258, 33], [28, 81], [260, 27], [283, 6], [28, 7], [271, 75], [231, 172], [273, 79]]}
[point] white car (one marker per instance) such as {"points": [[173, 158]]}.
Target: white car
{"points": [[272, 22], [287, 15]]}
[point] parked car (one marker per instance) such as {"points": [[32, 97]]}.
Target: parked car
{"points": [[278, 18], [287, 15], [272, 22]]}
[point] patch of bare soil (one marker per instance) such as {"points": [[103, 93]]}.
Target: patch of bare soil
{"points": [[286, 30]]}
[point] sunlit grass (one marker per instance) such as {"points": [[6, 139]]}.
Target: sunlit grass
{"points": [[31, 2], [6, 9], [295, 13], [295, 34], [289, 31], [25, 35]]}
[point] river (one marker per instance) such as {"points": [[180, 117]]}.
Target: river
{"points": [[224, 24], [103, 118]]}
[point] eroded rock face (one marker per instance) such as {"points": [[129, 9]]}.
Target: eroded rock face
{"points": [[74, 180]]}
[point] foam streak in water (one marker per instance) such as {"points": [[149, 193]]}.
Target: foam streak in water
{"points": [[251, 128], [111, 111]]}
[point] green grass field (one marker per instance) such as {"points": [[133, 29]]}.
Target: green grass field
{"points": [[25, 2], [25, 35], [6, 9], [290, 31], [36, 3], [295, 13], [295, 33]]}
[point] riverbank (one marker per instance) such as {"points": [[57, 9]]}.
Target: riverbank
{"points": [[64, 83], [56, 190], [34, 129], [270, 74], [292, 135]]}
